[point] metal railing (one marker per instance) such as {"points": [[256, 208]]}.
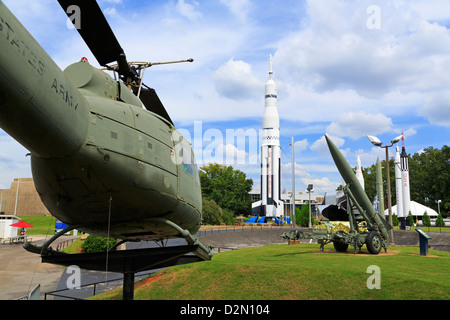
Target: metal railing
{"points": [[64, 244], [95, 285]]}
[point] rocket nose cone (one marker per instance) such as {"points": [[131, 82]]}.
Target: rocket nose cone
{"points": [[341, 164], [332, 147], [328, 141]]}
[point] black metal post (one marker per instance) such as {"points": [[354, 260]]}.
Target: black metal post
{"points": [[128, 286]]}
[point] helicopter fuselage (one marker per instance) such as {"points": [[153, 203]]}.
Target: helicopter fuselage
{"points": [[99, 160]]}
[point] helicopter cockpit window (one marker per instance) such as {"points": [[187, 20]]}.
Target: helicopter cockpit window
{"points": [[188, 165]]}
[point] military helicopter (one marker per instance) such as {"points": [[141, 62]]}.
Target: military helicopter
{"points": [[106, 157]]}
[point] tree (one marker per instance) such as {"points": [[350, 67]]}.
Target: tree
{"points": [[440, 221], [395, 220], [211, 212], [228, 218], [411, 219], [229, 188], [426, 219], [430, 177], [302, 215], [215, 215], [370, 179]]}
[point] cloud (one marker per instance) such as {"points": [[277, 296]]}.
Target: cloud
{"points": [[112, 1], [301, 145], [370, 158], [239, 8], [334, 52], [321, 145], [223, 154], [13, 160], [188, 10], [322, 184], [235, 80], [437, 108], [409, 133], [303, 176], [357, 124], [111, 12]]}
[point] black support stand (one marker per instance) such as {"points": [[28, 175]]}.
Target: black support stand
{"points": [[129, 262]]}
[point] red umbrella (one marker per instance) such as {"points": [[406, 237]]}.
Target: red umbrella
{"points": [[21, 224]]}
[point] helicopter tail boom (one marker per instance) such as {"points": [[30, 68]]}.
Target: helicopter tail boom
{"points": [[39, 107]]}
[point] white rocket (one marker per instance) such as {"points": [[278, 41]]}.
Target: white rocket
{"points": [[398, 184], [270, 205], [405, 181], [359, 173]]}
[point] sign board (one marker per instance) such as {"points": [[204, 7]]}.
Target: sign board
{"points": [[423, 234]]}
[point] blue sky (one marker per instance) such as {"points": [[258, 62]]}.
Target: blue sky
{"points": [[345, 68]]}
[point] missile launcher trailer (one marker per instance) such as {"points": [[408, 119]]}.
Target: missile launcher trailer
{"points": [[364, 225]]}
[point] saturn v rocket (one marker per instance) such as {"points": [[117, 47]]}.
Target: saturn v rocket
{"points": [[270, 205]]}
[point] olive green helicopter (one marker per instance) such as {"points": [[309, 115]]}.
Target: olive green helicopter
{"points": [[106, 158]]}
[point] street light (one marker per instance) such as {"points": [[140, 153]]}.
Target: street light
{"points": [[439, 206], [309, 189], [293, 185], [377, 142], [374, 140]]}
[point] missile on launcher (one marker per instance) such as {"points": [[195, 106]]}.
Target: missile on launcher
{"points": [[368, 227]]}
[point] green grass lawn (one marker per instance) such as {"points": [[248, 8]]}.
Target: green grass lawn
{"points": [[41, 225], [298, 272]]}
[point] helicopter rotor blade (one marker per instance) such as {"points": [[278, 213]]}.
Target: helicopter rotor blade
{"points": [[152, 103], [96, 32]]}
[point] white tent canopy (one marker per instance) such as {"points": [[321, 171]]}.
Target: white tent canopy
{"points": [[417, 209]]}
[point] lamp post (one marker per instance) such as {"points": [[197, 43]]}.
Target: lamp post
{"points": [[439, 206], [309, 189], [376, 142], [293, 185]]}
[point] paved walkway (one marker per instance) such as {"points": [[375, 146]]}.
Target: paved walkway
{"points": [[21, 271]]}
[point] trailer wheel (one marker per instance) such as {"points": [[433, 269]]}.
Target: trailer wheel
{"points": [[373, 242], [340, 246]]}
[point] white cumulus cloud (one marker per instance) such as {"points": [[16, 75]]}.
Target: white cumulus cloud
{"points": [[357, 124], [437, 108], [189, 10], [235, 80]]}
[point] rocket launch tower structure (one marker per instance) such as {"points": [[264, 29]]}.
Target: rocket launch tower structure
{"points": [[270, 205]]}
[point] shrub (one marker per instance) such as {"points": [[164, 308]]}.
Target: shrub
{"points": [[97, 244]]}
